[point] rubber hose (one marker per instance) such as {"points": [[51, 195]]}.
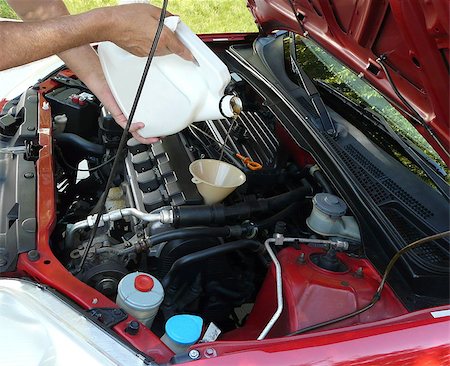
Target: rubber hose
{"points": [[205, 254], [219, 214], [278, 216], [319, 177], [189, 233], [81, 146]]}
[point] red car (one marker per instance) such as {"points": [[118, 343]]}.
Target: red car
{"points": [[335, 251]]}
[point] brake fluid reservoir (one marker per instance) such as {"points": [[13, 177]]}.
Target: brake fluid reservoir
{"points": [[140, 295], [176, 92]]}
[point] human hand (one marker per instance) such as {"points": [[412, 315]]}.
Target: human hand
{"points": [[134, 30], [104, 94], [86, 65], [134, 128]]}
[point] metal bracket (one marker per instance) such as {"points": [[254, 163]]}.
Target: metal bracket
{"points": [[109, 317]]}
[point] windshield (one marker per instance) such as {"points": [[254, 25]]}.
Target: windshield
{"points": [[324, 68]]}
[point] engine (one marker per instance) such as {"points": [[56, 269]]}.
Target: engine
{"points": [[154, 177], [209, 259]]}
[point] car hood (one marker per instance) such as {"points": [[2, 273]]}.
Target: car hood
{"points": [[412, 36]]}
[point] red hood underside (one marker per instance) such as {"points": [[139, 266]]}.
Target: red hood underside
{"points": [[411, 34]]}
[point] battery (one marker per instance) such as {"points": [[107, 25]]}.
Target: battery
{"points": [[81, 108]]}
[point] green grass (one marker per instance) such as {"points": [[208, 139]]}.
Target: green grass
{"points": [[6, 11], [202, 16], [213, 16], [79, 6]]}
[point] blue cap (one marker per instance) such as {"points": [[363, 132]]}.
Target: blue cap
{"points": [[184, 329]]}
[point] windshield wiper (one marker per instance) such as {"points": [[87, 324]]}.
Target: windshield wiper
{"points": [[314, 95], [431, 168]]}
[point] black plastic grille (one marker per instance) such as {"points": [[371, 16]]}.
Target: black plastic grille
{"points": [[429, 253], [380, 188], [407, 199], [387, 194]]}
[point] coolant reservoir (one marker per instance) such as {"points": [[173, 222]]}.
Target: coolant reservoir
{"points": [[176, 92]]}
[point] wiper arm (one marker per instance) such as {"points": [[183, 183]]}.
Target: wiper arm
{"points": [[314, 95], [436, 174]]}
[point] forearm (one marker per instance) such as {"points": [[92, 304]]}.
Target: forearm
{"points": [[82, 60], [25, 42], [131, 27]]}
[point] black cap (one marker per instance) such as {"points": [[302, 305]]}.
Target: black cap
{"points": [[132, 327]]}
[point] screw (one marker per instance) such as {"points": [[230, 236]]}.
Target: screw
{"points": [[359, 273], [194, 354], [210, 352], [301, 258], [94, 300], [29, 175], [31, 128], [117, 312], [33, 255]]}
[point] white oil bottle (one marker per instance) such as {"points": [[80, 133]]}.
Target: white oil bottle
{"points": [[176, 92]]}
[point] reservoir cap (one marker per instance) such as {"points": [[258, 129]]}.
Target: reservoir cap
{"points": [[330, 204], [140, 291], [184, 329], [143, 283]]}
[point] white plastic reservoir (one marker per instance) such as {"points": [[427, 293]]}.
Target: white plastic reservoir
{"points": [[176, 92], [140, 295], [182, 331]]}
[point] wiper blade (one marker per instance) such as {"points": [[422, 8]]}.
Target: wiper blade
{"points": [[314, 95]]}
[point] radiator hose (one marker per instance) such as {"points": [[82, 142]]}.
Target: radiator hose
{"points": [[219, 214], [208, 253]]}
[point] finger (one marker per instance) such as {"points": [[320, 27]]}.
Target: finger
{"points": [[145, 140], [136, 126], [174, 45], [134, 130]]}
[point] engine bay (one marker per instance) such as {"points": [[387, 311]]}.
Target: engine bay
{"points": [[282, 254], [209, 259]]}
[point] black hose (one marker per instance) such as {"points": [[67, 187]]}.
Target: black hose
{"points": [[289, 210], [189, 233], [76, 169], [220, 214], [205, 254], [81, 147], [318, 176]]}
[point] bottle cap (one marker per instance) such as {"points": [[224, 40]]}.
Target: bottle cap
{"points": [[143, 283], [134, 296], [330, 204], [184, 329]]}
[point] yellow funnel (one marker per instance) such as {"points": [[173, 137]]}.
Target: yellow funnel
{"points": [[215, 179]]}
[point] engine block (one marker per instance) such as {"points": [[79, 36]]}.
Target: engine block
{"points": [[159, 173]]}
